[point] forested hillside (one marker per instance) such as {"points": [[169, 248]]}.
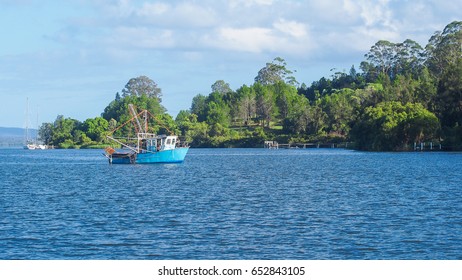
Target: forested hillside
{"points": [[402, 94]]}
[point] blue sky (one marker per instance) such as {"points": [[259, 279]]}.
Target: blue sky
{"points": [[71, 57]]}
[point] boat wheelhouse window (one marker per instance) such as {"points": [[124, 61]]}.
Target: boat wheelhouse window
{"points": [[169, 141], [173, 141]]}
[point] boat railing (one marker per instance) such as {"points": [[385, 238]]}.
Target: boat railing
{"points": [[143, 135]]}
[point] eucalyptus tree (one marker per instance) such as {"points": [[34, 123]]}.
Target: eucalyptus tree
{"points": [[265, 104], [448, 101], [392, 59], [444, 48], [409, 58], [381, 57], [444, 61], [274, 72], [141, 92], [246, 103], [221, 87], [140, 86]]}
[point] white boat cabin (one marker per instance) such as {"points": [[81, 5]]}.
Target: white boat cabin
{"points": [[154, 143]]}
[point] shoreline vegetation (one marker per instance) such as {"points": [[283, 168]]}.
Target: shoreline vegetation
{"points": [[404, 95]]}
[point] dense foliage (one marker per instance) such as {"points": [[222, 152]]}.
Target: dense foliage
{"points": [[141, 92], [405, 94]]}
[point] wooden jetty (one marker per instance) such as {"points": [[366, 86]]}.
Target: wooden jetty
{"points": [[427, 146], [271, 145], [275, 145]]}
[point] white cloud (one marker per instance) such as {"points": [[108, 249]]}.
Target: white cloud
{"points": [[141, 37], [372, 12], [252, 39], [293, 28], [249, 3], [284, 37], [194, 15], [153, 9], [122, 8], [183, 14]]}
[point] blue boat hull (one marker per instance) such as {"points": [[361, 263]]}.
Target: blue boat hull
{"points": [[169, 156]]}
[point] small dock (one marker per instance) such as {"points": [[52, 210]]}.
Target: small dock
{"points": [[427, 146], [271, 145], [276, 145]]}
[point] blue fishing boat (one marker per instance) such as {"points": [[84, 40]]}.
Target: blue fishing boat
{"points": [[146, 147]]}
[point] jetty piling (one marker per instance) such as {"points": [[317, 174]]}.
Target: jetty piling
{"points": [[429, 146]]}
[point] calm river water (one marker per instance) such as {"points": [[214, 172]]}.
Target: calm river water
{"points": [[232, 204]]}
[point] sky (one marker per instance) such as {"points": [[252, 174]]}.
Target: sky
{"points": [[71, 57]]}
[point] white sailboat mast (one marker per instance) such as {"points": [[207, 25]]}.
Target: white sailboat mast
{"points": [[26, 135]]}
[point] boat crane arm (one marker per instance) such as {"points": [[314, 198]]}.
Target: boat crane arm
{"points": [[138, 126], [123, 144]]}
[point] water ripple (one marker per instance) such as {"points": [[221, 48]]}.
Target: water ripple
{"points": [[232, 204]]}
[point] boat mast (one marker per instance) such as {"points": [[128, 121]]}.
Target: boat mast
{"points": [[138, 127], [36, 132], [26, 135]]}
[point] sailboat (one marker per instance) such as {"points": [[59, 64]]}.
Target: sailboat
{"points": [[29, 143]]}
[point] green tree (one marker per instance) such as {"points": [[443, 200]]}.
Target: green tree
{"points": [[448, 101], [305, 119], [217, 113], [409, 58], [274, 72], [393, 126], [81, 138], [112, 125], [444, 48], [246, 104], [118, 111], [341, 110], [425, 90], [140, 86], [96, 128], [286, 96], [221, 87], [62, 132], [46, 133], [164, 124], [197, 134], [403, 89], [393, 59], [381, 56], [265, 104], [185, 121], [198, 107], [299, 118]]}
